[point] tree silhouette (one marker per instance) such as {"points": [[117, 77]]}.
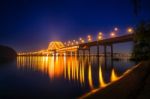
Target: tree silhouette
{"points": [[141, 50]]}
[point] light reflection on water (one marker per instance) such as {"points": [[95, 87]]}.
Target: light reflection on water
{"points": [[89, 72]]}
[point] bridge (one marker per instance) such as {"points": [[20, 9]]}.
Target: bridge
{"points": [[58, 48]]}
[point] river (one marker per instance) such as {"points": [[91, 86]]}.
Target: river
{"points": [[43, 77]]}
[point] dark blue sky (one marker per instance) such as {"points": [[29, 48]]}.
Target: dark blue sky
{"points": [[30, 24]]}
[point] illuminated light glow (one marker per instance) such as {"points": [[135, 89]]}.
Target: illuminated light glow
{"points": [[100, 33], [54, 45], [77, 71], [101, 81], [100, 37], [65, 67], [77, 42], [90, 77], [83, 73], [72, 43], [80, 75], [72, 71], [113, 75], [130, 30], [80, 39], [115, 29], [69, 74], [74, 40], [51, 68], [89, 38], [112, 34]]}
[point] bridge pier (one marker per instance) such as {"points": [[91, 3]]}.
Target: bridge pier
{"points": [[97, 50], [105, 51], [111, 51], [83, 52], [89, 52], [77, 52]]}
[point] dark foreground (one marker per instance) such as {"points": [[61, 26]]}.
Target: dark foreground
{"points": [[135, 84]]}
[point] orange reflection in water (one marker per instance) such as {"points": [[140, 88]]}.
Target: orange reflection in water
{"points": [[90, 77], [72, 68], [101, 81], [113, 75]]}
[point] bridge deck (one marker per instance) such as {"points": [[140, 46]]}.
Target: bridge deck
{"points": [[109, 41]]}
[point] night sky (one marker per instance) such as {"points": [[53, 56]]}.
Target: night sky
{"points": [[28, 25]]}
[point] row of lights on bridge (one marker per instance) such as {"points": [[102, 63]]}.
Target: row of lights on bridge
{"points": [[99, 37]]}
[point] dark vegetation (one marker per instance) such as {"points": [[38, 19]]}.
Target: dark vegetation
{"points": [[7, 54], [141, 50]]}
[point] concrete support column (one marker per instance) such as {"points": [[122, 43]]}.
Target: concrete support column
{"points": [[54, 53], [105, 51], [97, 50], [105, 55], [83, 52], [89, 51], [111, 51], [78, 52]]}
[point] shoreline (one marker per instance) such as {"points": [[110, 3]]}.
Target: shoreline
{"points": [[127, 86]]}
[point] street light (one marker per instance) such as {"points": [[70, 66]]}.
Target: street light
{"points": [[100, 33], [69, 42], [115, 29], [89, 38], [130, 30], [65, 43], [112, 34], [77, 42], [72, 43], [82, 41], [100, 36], [80, 38]]}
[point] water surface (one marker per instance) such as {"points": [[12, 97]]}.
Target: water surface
{"points": [[43, 77]]}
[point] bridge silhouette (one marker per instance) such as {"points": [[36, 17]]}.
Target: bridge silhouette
{"points": [[58, 48]]}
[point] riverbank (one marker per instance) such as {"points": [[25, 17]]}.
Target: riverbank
{"points": [[130, 86]]}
